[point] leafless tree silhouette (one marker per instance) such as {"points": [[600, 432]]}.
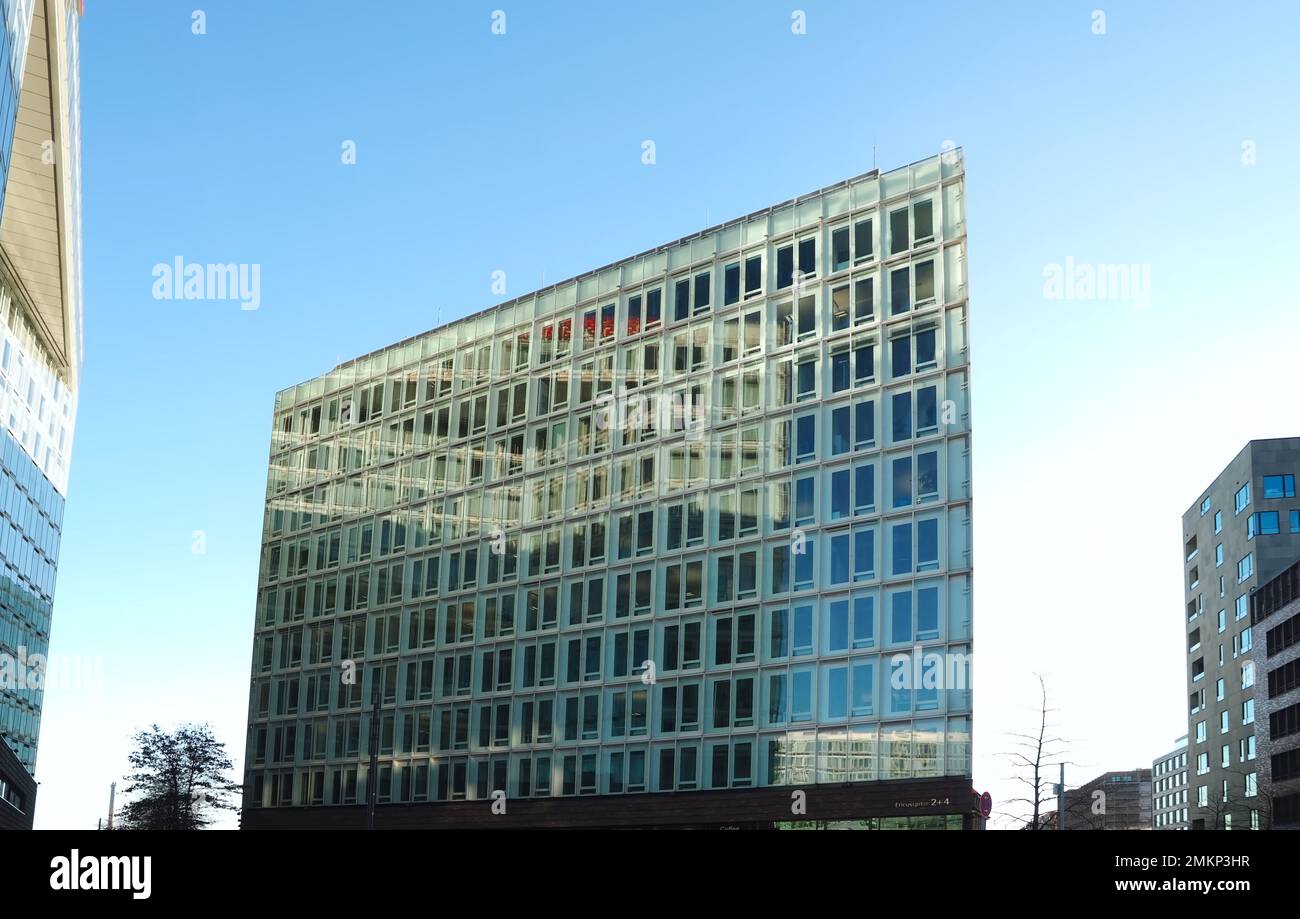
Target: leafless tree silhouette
{"points": [[1030, 757], [1237, 805]]}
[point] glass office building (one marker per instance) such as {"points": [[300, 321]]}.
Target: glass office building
{"points": [[31, 519], [698, 521], [15, 31], [40, 356]]}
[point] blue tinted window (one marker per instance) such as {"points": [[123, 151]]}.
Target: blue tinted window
{"points": [[863, 689], [927, 612], [779, 639], [840, 563], [899, 292], [806, 436], [1279, 486], [803, 630], [925, 347], [903, 481], [900, 686], [864, 622], [730, 284], [840, 431], [901, 535], [864, 363], [839, 494], [776, 699], [801, 696], [837, 636], [804, 566], [902, 411], [927, 417], [864, 424], [900, 357], [837, 693], [927, 475], [840, 371], [927, 544], [864, 488], [927, 692], [784, 267], [805, 500], [780, 569], [864, 553], [900, 617]]}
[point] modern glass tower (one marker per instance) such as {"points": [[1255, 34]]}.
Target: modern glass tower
{"points": [[698, 521], [40, 356]]}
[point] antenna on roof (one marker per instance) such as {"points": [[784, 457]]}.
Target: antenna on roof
{"points": [[873, 157]]}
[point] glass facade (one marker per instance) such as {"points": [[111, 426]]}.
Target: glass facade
{"points": [[37, 386], [15, 31], [31, 520], [37, 406], [697, 520]]}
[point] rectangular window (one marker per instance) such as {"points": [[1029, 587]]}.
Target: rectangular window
{"points": [[901, 542], [864, 300], [925, 354], [863, 240], [927, 545], [840, 430], [902, 482], [923, 221], [807, 317], [864, 424], [899, 291], [864, 554], [924, 278], [898, 231], [703, 288], [864, 488], [633, 315], [840, 256], [1279, 486], [901, 409], [653, 308], [784, 267], [730, 284], [927, 410], [808, 256], [681, 299], [927, 476], [900, 357], [840, 494], [753, 276]]}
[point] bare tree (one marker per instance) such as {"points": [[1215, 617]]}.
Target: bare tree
{"points": [[1234, 810], [1030, 757]]}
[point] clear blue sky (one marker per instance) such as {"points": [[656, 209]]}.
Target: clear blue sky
{"points": [[521, 153]]}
